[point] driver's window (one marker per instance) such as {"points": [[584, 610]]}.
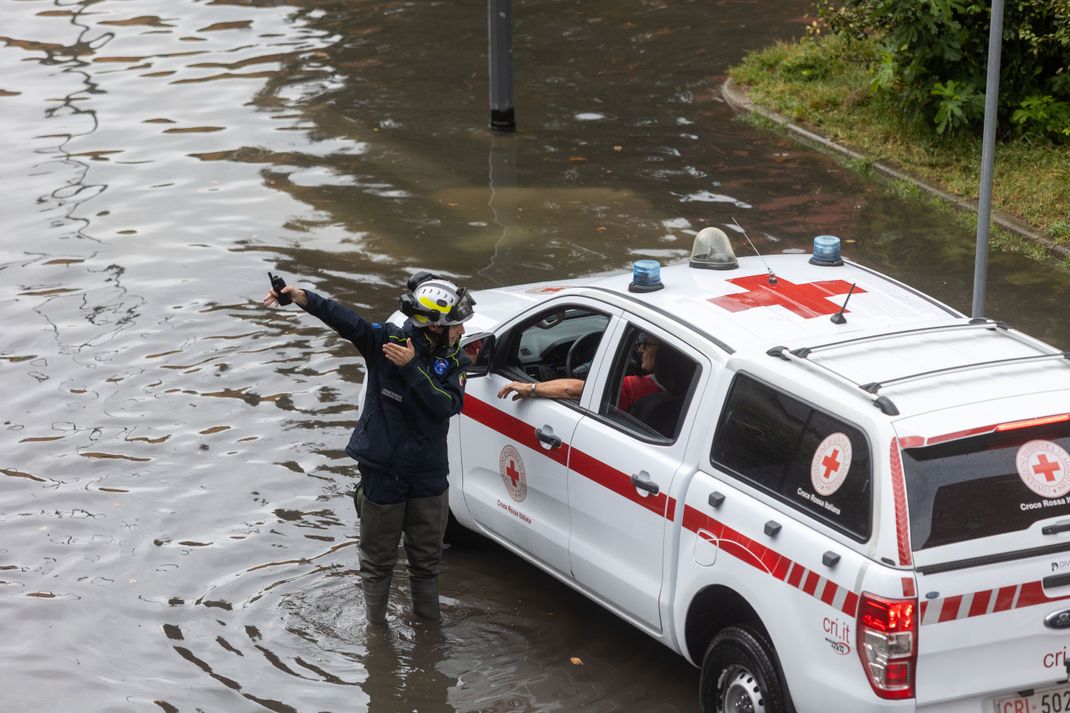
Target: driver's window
{"points": [[649, 385], [558, 343]]}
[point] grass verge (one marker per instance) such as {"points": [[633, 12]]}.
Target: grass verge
{"points": [[824, 83]]}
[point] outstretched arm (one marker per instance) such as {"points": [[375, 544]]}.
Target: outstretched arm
{"points": [[348, 324]]}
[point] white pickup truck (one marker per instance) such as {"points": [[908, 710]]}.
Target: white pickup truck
{"points": [[828, 507]]}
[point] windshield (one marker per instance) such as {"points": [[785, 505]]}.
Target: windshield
{"points": [[989, 484]]}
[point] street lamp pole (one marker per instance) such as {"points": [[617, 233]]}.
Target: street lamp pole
{"points": [[500, 56], [988, 157]]}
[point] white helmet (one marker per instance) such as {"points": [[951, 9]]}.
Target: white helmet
{"points": [[437, 301]]}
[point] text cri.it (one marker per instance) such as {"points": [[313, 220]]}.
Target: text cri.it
{"points": [[840, 630], [1055, 659]]}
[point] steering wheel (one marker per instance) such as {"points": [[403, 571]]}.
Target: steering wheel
{"points": [[580, 353]]}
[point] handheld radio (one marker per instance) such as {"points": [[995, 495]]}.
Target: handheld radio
{"points": [[277, 283]]}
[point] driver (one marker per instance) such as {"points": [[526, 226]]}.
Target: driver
{"points": [[633, 388]]}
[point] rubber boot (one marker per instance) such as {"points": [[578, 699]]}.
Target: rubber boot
{"points": [[376, 597], [425, 598], [380, 532], [425, 525]]}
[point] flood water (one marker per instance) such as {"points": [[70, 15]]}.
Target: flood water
{"points": [[177, 531]]}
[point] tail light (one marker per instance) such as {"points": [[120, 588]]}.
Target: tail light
{"points": [[888, 644]]}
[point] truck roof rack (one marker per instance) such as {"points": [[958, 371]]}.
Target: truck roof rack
{"points": [[875, 386], [882, 402], [804, 352], [885, 404]]}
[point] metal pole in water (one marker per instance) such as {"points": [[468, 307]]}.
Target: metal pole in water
{"points": [[500, 29], [988, 158]]}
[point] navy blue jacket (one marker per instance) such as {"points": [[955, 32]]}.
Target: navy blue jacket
{"points": [[406, 414]]}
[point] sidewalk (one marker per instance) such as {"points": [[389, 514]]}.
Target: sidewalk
{"points": [[737, 98]]}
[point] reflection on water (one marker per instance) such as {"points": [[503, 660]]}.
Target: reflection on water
{"points": [[174, 498]]}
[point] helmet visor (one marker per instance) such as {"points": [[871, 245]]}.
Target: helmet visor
{"points": [[462, 311]]}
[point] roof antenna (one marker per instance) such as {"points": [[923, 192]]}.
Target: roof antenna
{"points": [[838, 318], [772, 277]]}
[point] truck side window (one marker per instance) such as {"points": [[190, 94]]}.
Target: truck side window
{"points": [[558, 343], [801, 455], [649, 387]]}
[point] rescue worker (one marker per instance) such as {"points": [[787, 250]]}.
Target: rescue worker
{"points": [[633, 387], [415, 383]]}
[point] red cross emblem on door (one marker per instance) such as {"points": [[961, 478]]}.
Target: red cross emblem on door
{"points": [[511, 469], [807, 300]]}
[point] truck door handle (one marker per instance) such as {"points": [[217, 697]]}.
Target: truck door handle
{"points": [[548, 438], [642, 481], [1055, 580]]}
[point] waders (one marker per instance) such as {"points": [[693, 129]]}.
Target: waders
{"points": [[423, 522]]}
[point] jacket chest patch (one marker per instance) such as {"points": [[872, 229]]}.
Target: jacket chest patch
{"points": [[392, 395], [441, 366]]}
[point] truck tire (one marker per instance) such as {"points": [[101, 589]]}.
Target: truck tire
{"points": [[740, 675]]}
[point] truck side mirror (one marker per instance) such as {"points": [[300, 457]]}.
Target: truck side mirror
{"points": [[480, 349]]}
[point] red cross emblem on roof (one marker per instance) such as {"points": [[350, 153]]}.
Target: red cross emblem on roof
{"points": [[808, 300]]}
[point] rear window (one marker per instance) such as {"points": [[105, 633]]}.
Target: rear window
{"points": [[805, 457], [988, 484]]}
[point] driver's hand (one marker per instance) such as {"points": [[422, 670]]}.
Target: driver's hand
{"points": [[518, 389]]}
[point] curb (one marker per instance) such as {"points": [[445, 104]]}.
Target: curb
{"points": [[737, 98]]}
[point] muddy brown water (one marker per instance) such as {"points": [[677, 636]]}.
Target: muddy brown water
{"points": [[177, 532]]}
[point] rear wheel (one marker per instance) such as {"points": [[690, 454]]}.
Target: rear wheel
{"points": [[739, 674]]}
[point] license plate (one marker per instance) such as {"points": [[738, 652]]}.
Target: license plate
{"points": [[1047, 700]]}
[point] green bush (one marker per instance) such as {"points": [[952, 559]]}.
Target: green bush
{"points": [[934, 56]]}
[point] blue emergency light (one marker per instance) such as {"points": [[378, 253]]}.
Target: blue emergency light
{"points": [[826, 251], [646, 276]]}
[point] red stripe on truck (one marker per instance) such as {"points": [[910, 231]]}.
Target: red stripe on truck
{"points": [[782, 568], [618, 482], [979, 605], [987, 601], [770, 561], [811, 583], [512, 428], [1005, 598], [582, 463], [730, 541], [950, 608], [850, 604], [829, 595], [899, 494], [754, 553]]}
